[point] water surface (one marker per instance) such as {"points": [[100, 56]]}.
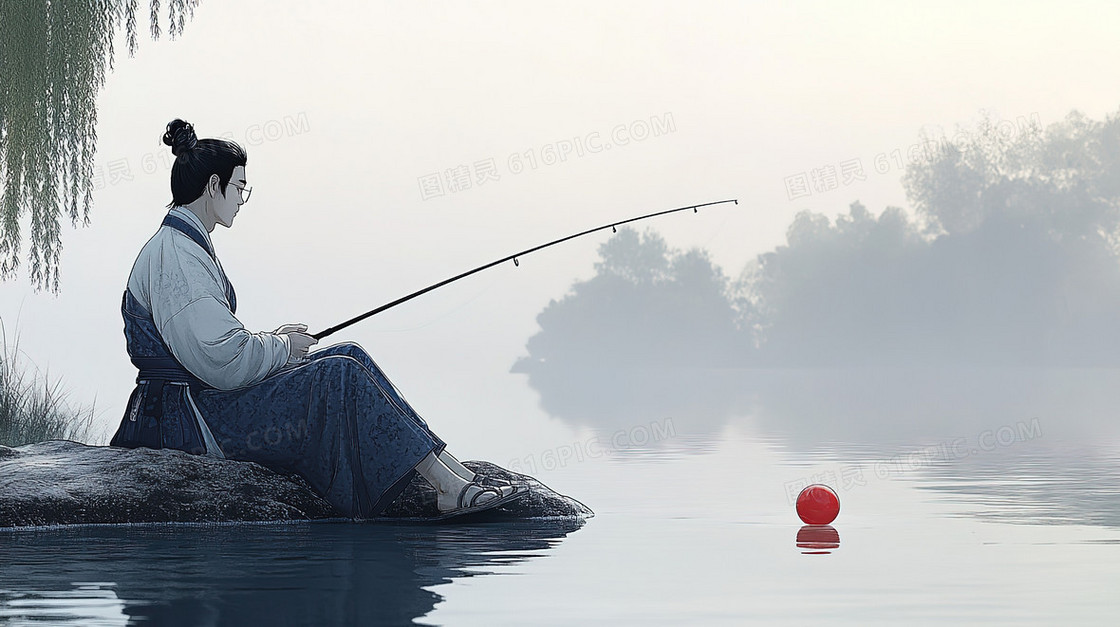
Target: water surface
{"points": [[1009, 519]]}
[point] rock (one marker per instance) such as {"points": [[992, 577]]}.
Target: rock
{"points": [[61, 482]]}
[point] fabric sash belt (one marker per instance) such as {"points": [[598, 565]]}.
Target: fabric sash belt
{"points": [[165, 369], [157, 371]]}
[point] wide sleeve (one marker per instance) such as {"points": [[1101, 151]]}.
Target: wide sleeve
{"points": [[190, 310]]}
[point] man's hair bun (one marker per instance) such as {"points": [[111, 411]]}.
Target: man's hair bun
{"points": [[197, 160], [180, 136]]}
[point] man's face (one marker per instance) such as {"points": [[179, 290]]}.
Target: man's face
{"points": [[227, 205]]}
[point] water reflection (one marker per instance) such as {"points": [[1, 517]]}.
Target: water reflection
{"points": [[902, 406], [1036, 483], [253, 574], [817, 539], [93, 603], [699, 400], [814, 407], [1028, 444]]}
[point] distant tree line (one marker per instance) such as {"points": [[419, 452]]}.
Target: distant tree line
{"points": [[1009, 258]]}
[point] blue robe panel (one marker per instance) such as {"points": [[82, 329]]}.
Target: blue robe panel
{"points": [[334, 419]]}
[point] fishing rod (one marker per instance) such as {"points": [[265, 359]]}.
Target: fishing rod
{"points": [[514, 257]]}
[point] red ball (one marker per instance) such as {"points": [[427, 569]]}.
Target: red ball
{"points": [[818, 505]]}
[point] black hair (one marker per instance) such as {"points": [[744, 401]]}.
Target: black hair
{"points": [[196, 160]]}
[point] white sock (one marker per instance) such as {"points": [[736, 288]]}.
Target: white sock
{"points": [[425, 465], [449, 460], [442, 478], [447, 482]]}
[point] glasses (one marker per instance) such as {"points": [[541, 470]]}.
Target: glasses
{"points": [[243, 192]]}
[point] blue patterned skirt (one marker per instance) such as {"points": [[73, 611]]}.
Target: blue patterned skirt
{"points": [[335, 419]]}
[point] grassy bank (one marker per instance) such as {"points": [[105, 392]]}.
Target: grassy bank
{"points": [[34, 409]]}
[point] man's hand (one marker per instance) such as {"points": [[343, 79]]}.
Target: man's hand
{"points": [[298, 341], [289, 328]]}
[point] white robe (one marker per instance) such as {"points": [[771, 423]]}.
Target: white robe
{"points": [[183, 287]]}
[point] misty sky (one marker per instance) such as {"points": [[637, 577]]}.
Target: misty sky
{"points": [[345, 111]]}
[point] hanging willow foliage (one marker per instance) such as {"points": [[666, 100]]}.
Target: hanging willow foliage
{"points": [[52, 65]]}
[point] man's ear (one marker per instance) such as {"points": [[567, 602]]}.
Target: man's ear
{"points": [[212, 185]]}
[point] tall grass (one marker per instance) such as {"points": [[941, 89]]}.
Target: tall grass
{"points": [[32, 410]]}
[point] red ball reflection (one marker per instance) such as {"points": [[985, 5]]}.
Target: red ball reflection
{"points": [[818, 539], [818, 505]]}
